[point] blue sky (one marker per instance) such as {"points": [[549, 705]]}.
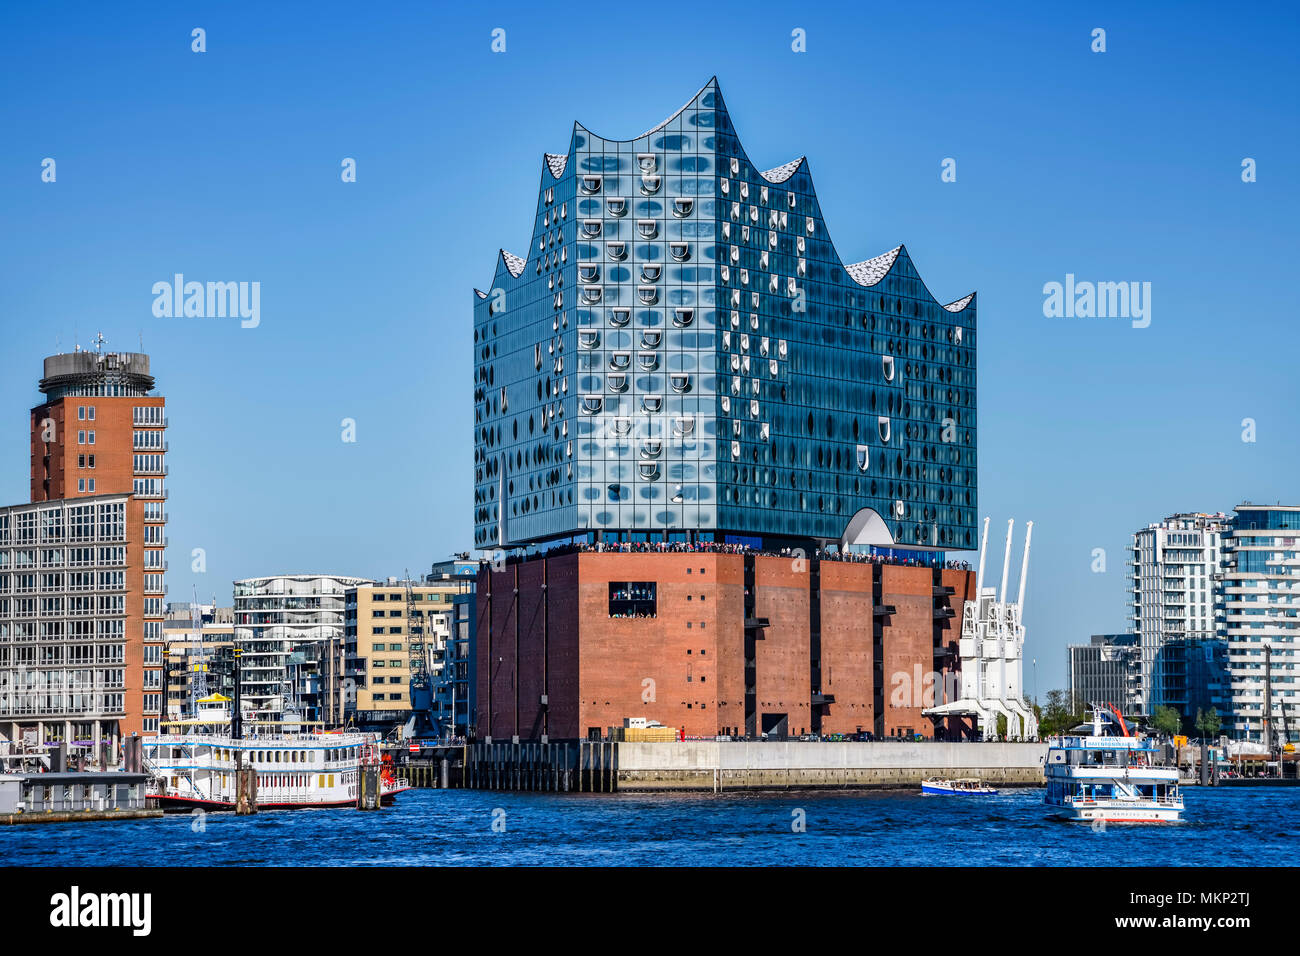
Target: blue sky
{"points": [[1115, 166]]}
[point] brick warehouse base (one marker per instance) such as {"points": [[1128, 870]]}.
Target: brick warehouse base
{"points": [[713, 644]]}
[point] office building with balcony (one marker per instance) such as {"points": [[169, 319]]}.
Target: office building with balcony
{"points": [[289, 631], [200, 656], [394, 631], [1173, 575], [1261, 598], [74, 668]]}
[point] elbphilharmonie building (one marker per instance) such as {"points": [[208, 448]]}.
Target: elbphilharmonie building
{"points": [[681, 353]]}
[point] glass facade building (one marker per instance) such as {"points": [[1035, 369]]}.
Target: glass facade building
{"points": [[1262, 601], [682, 353]]}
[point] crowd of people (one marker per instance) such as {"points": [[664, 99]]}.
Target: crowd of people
{"points": [[726, 547]]}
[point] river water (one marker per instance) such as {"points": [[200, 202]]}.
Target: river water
{"points": [[1224, 827]]}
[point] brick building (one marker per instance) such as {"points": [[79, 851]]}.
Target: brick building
{"points": [[712, 643], [82, 566]]}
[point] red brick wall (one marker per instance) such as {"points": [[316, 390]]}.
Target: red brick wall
{"points": [[113, 427], [847, 656], [782, 656], [594, 668], [664, 668], [908, 647]]}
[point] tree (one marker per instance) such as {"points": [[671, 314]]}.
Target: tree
{"points": [[1167, 721], [1208, 723], [1058, 715]]}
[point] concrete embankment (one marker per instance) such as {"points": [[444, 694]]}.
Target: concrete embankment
{"points": [[606, 766], [734, 765]]}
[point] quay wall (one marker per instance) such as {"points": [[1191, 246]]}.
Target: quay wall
{"points": [[606, 766], [732, 765]]}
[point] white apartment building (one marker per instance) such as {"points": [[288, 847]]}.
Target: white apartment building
{"points": [[1262, 608], [289, 632], [1174, 571]]}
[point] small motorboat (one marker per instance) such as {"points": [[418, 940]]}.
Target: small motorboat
{"points": [[962, 786]]}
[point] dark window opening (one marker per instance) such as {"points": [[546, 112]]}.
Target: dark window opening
{"points": [[632, 599]]}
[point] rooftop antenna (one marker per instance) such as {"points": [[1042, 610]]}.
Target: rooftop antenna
{"points": [[99, 342]]}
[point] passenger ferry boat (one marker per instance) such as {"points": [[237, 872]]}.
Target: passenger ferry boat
{"points": [[196, 768], [1113, 779], [963, 785]]}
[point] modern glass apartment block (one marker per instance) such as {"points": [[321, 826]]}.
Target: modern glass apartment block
{"points": [[1174, 596], [1261, 584], [682, 353]]}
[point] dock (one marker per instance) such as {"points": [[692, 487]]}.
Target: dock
{"points": [[608, 766], [76, 797]]}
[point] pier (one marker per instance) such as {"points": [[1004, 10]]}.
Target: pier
{"points": [[587, 766], [73, 797]]}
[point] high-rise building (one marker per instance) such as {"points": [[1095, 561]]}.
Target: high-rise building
{"points": [[1261, 585], [1107, 670], [100, 431], [82, 567], [684, 383], [681, 354], [1173, 595], [289, 632]]}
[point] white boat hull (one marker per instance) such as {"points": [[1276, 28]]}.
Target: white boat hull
{"points": [[1120, 813]]}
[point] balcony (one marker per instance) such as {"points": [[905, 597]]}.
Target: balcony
{"points": [[883, 610]]}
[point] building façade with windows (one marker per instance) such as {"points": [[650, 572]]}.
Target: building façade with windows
{"points": [[681, 353], [682, 361]]}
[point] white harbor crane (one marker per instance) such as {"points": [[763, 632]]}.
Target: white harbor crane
{"points": [[991, 652]]}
